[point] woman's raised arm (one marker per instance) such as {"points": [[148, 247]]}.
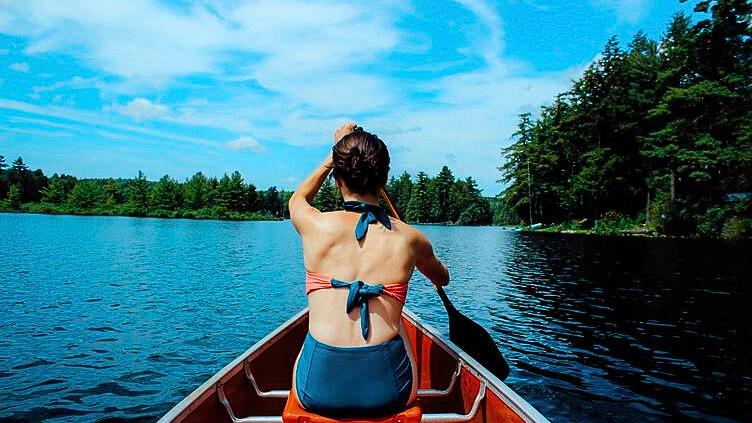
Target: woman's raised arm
{"points": [[302, 213]]}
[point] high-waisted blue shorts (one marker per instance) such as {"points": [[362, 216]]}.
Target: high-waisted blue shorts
{"points": [[369, 381]]}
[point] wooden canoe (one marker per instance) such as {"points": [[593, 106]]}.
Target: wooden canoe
{"points": [[254, 387]]}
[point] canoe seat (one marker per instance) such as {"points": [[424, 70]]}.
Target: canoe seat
{"points": [[293, 413]]}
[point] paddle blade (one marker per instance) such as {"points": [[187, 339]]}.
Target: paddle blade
{"points": [[473, 339]]}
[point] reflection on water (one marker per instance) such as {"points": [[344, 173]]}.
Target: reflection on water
{"points": [[121, 318], [611, 329]]}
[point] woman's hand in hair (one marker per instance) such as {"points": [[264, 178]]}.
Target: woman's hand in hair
{"points": [[344, 130]]}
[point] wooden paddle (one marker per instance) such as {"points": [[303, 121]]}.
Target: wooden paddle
{"points": [[471, 337]]}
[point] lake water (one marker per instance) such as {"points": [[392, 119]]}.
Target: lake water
{"points": [[119, 318]]}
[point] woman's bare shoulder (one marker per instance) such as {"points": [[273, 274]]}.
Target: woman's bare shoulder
{"points": [[329, 223], [411, 233]]}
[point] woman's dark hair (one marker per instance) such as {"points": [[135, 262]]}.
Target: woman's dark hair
{"points": [[361, 161]]}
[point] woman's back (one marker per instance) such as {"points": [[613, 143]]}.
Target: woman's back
{"points": [[383, 256], [358, 263]]}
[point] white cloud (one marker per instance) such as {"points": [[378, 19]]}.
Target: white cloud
{"points": [[95, 119], [627, 11], [150, 41], [245, 143], [491, 42], [291, 71], [20, 67], [140, 109], [134, 38], [37, 132], [76, 82]]}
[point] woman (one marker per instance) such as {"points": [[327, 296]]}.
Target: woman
{"points": [[356, 360]]}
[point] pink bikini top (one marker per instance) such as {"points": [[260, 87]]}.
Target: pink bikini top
{"points": [[316, 281]]}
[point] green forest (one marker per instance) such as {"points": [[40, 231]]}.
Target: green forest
{"points": [[199, 197], [424, 200], [655, 135]]}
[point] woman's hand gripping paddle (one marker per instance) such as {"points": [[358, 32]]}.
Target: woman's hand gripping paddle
{"points": [[471, 337]]}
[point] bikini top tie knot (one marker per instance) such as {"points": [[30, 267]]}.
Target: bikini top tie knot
{"points": [[370, 213], [358, 296]]}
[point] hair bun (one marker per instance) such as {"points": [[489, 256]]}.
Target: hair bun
{"points": [[361, 161]]}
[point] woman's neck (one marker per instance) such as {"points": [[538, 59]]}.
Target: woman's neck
{"points": [[366, 198]]}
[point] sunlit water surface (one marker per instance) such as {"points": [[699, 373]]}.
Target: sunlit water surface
{"points": [[119, 318]]}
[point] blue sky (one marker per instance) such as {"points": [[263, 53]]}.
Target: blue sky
{"points": [[98, 89]]}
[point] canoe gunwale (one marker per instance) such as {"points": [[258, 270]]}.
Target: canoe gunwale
{"points": [[518, 404], [487, 380], [208, 388]]}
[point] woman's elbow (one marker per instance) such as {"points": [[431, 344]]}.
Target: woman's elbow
{"points": [[444, 275], [441, 276]]}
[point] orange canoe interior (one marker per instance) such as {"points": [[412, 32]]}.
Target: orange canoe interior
{"points": [[271, 365]]}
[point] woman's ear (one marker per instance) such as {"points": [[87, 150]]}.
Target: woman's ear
{"points": [[338, 182]]}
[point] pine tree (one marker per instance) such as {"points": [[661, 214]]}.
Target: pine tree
{"points": [[516, 170], [3, 182], [400, 190], [165, 194], [14, 196], [442, 184], [251, 198], [419, 207], [112, 192], [55, 192], [86, 194], [273, 202], [196, 192], [138, 193], [326, 198], [236, 192]]}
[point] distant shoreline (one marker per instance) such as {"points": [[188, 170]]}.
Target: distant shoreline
{"points": [[120, 212]]}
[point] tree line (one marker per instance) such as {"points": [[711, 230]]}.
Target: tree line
{"points": [[229, 197], [657, 133], [423, 199], [441, 199]]}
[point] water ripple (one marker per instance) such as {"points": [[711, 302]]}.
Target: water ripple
{"points": [[117, 319]]}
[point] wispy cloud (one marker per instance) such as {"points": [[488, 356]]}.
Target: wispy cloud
{"points": [[20, 67], [286, 72], [627, 11], [76, 82], [37, 132], [140, 109], [135, 38], [493, 45], [95, 119], [245, 143]]}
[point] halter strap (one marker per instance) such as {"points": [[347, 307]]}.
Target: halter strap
{"points": [[370, 213], [358, 296]]}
